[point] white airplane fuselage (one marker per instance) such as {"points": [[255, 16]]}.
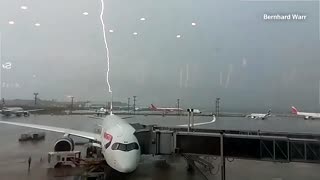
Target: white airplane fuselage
{"points": [[258, 116], [169, 109], [255, 115], [309, 115], [164, 109], [12, 110], [120, 146]]}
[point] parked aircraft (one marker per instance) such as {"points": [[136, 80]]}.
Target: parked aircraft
{"points": [[18, 111], [164, 109], [119, 145], [259, 116], [307, 115]]}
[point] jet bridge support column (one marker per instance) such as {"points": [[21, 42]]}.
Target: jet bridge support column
{"points": [[189, 122], [223, 163], [190, 115]]}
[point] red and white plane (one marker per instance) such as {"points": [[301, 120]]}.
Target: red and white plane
{"points": [[164, 109], [307, 115], [118, 143]]}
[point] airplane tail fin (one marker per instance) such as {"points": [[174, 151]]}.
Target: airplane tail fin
{"points": [[269, 112], [153, 107], [294, 110]]}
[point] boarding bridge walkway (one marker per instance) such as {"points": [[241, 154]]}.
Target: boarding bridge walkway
{"points": [[255, 145]]}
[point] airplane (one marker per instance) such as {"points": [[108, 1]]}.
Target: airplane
{"points": [[259, 116], [164, 110], [18, 111], [196, 111], [307, 115], [100, 112], [118, 143], [95, 112]]}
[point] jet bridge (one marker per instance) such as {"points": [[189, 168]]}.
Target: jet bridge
{"points": [[257, 147], [265, 146], [156, 142], [268, 146]]}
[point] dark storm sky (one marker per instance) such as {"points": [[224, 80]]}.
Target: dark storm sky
{"points": [[232, 52]]}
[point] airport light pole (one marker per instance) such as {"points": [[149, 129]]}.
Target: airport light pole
{"points": [[190, 114], [128, 105], [217, 106], [3, 102], [222, 158], [178, 103], [134, 104], [71, 107], [35, 98]]}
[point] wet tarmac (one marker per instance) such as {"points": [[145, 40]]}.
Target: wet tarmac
{"points": [[14, 155]]}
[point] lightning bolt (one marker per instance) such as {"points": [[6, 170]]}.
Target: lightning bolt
{"points": [[106, 45]]}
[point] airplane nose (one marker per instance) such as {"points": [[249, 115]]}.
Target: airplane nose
{"points": [[127, 168], [127, 165]]}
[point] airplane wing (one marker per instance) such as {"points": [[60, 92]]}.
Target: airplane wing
{"points": [[127, 117], [11, 112], [83, 134], [16, 112], [95, 117], [33, 110], [23, 111]]}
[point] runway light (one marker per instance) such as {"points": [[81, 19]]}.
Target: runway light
{"points": [[85, 13], [178, 36], [37, 24], [111, 31], [135, 33], [193, 24], [11, 22], [142, 19], [24, 7]]}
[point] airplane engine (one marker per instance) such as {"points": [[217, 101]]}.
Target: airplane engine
{"points": [[64, 144], [26, 114], [307, 117]]}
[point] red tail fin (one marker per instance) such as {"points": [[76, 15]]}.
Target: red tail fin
{"points": [[294, 110]]}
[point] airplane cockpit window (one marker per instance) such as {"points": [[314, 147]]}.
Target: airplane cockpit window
{"points": [[125, 147], [115, 146], [132, 146], [122, 147]]}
